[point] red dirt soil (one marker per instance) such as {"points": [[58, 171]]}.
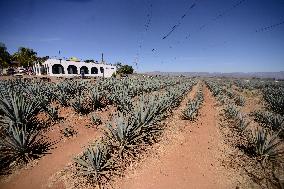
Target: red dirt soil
{"points": [[37, 176], [191, 160]]}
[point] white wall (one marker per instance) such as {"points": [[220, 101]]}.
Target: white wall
{"points": [[108, 69]]}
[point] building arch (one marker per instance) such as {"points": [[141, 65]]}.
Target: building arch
{"points": [[84, 69], [94, 70], [57, 69], [72, 69]]}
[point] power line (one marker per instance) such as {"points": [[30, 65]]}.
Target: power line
{"points": [[269, 27], [223, 13], [145, 30], [180, 21]]}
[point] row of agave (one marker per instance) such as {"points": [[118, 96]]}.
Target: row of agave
{"points": [[223, 94], [264, 146], [270, 120], [20, 138], [21, 133], [255, 84], [191, 111], [127, 135], [274, 97], [232, 112]]}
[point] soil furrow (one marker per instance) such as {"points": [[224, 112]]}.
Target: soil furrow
{"points": [[188, 158]]}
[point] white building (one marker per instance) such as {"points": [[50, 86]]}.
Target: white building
{"points": [[57, 67]]}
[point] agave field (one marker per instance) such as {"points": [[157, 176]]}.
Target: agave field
{"points": [[122, 121], [258, 133]]}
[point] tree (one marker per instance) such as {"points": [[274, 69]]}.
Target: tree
{"points": [[5, 57], [41, 60], [124, 69], [25, 56]]}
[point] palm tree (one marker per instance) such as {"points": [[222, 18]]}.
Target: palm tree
{"points": [[25, 56]]}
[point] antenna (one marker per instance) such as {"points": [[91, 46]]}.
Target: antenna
{"points": [[59, 56]]}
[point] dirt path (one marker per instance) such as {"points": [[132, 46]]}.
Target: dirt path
{"points": [[188, 158]]}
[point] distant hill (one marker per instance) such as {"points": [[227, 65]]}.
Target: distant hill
{"points": [[276, 75]]}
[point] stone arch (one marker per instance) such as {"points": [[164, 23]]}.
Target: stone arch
{"points": [[84, 69], [57, 69], [94, 70], [72, 69]]}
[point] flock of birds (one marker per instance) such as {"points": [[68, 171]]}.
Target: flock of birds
{"points": [[179, 22]]}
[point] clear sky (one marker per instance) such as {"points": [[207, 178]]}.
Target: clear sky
{"points": [[212, 36]]}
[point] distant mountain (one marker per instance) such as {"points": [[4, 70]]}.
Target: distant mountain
{"points": [[275, 75]]}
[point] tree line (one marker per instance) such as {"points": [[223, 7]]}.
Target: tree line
{"points": [[25, 57]]}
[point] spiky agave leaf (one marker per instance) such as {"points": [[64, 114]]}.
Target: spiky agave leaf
{"points": [[96, 99], [53, 112], [191, 111], [242, 123], [275, 98], [267, 146], [81, 105], [96, 164], [231, 111], [270, 120], [240, 100], [125, 136], [17, 108], [96, 119], [20, 144]]}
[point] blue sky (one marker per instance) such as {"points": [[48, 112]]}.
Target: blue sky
{"points": [[86, 28]]}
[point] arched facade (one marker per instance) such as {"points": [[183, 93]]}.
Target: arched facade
{"points": [[84, 69], [64, 68], [72, 69], [58, 69], [94, 70]]}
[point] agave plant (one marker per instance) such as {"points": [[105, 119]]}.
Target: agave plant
{"points": [[231, 111], [20, 144], [240, 100], [267, 146], [96, 165], [96, 119], [270, 120], [242, 123], [68, 132], [17, 108], [275, 99], [96, 99], [62, 98], [190, 113], [125, 136], [81, 105], [230, 94], [222, 99], [53, 112]]}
